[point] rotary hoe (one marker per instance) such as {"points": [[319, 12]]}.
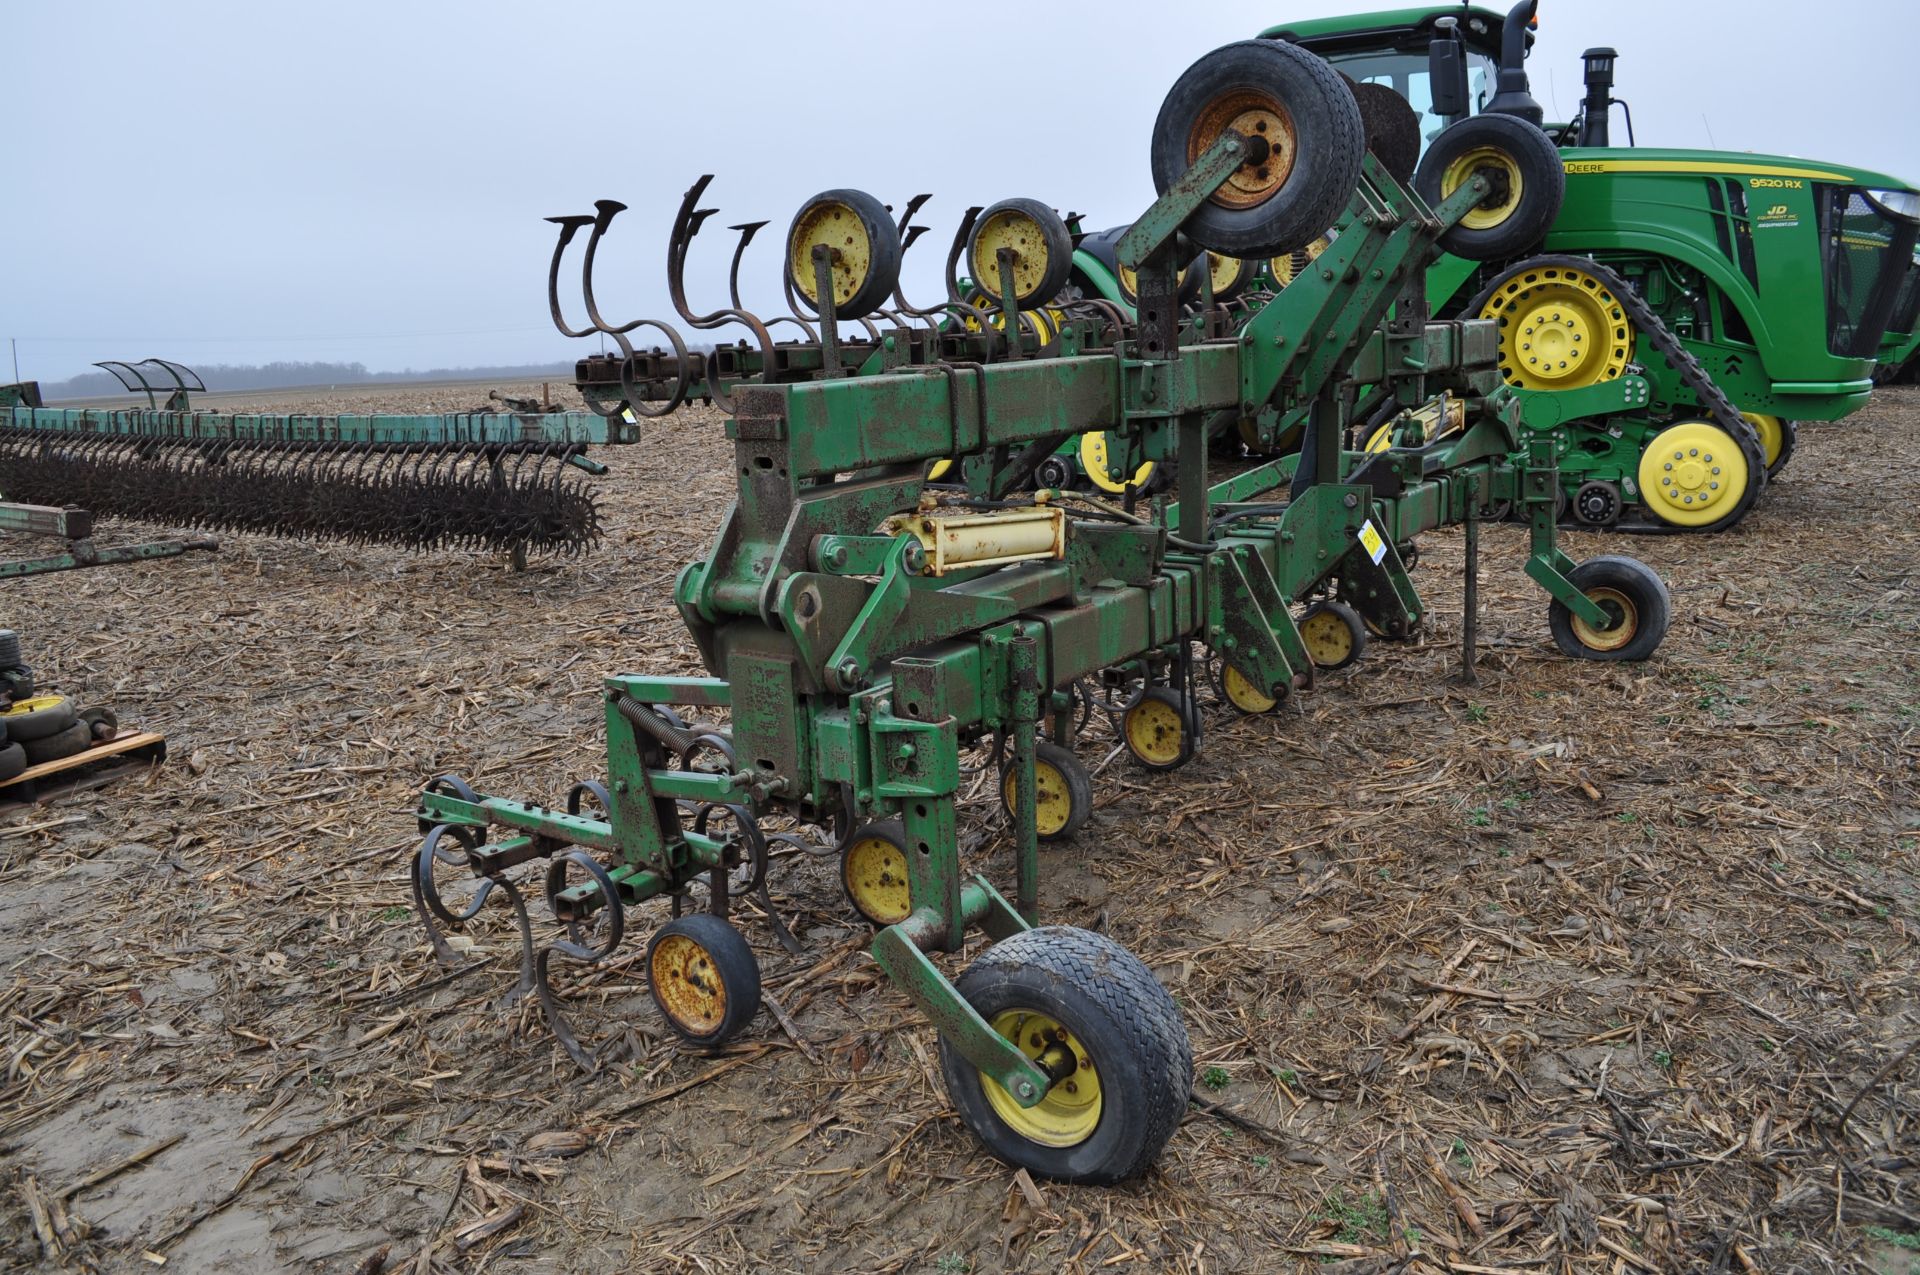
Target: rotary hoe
{"points": [[871, 634], [476, 480]]}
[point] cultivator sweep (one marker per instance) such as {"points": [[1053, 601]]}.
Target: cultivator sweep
{"points": [[488, 481], [872, 634]]}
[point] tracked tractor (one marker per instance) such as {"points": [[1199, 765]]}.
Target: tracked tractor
{"points": [[1774, 279]]}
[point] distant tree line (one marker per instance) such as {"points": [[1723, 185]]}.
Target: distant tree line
{"points": [[273, 376]]}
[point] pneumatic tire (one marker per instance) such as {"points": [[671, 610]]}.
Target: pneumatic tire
{"points": [[1632, 592], [13, 760], [1302, 108], [39, 717], [1530, 181], [1121, 1027], [867, 247], [76, 738], [704, 979]]}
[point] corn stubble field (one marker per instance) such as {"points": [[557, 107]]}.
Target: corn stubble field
{"points": [[1583, 968]]}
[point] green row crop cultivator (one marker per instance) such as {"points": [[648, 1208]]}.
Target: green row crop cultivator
{"points": [[865, 626]]}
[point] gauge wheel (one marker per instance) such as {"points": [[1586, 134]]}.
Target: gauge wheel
{"points": [[1062, 791], [1632, 594], [864, 247], [1244, 695], [1093, 1016], [1094, 460], [1158, 729], [1285, 97], [704, 978], [1041, 245], [1333, 634], [1528, 180], [873, 872]]}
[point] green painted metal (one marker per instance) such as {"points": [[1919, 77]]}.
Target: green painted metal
{"points": [[75, 526], [855, 679], [450, 427]]}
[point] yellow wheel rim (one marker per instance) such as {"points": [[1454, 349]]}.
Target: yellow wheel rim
{"points": [[1382, 438], [839, 228], [1286, 269], [1045, 323], [1070, 1111], [1692, 474], [874, 870], [1224, 273], [1052, 799], [1326, 636], [1250, 113], [1155, 732], [688, 985], [1014, 230], [939, 470], [1560, 329], [1771, 430], [1093, 459], [1244, 695], [1461, 171], [32, 705], [1626, 622]]}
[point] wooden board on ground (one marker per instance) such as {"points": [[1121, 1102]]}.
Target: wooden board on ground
{"points": [[128, 751]]}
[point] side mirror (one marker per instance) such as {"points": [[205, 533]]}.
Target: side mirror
{"points": [[1447, 70]]}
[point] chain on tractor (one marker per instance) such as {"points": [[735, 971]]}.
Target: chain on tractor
{"points": [[873, 634]]}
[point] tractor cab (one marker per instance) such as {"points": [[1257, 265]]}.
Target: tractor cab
{"points": [[1443, 59]]}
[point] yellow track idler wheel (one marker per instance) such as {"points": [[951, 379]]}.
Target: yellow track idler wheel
{"points": [[1694, 475], [1333, 634], [1062, 791], [1560, 328], [1039, 245], [863, 246], [1243, 695], [1524, 172], [1102, 469], [704, 978], [873, 872], [1777, 435], [1308, 144], [1159, 729], [1637, 604], [1109, 1039]]}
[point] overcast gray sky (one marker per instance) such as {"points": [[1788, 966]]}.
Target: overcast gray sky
{"points": [[248, 182]]}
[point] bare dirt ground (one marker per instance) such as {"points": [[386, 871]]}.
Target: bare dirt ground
{"points": [[1584, 968]]}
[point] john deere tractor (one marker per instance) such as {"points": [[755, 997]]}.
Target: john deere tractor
{"points": [[1751, 290]]}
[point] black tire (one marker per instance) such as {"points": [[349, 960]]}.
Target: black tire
{"points": [[13, 760], [723, 962], [1144, 729], [76, 738], [1328, 138], [1392, 129], [1330, 611], [1079, 788], [1132, 1036], [1045, 249], [102, 722], [24, 723], [1636, 593], [872, 875], [871, 291], [1543, 184]]}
